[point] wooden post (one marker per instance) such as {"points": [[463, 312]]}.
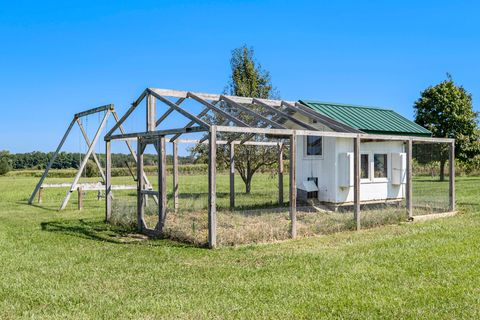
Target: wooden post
{"points": [[151, 113], [40, 195], [80, 198], [280, 173], [293, 186], [451, 178], [408, 186], [140, 185], [212, 188], [232, 175], [162, 183], [108, 181], [85, 159], [50, 163], [356, 181], [175, 176]]}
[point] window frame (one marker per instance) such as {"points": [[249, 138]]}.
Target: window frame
{"points": [[369, 176], [305, 148], [386, 169]]}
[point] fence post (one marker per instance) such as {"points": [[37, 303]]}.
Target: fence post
{"points": [[212, 190], [80, 198], [451, 178], [162, 183], [108, 181], [280, 173], [175, 176], [140, 185], [356, 181], [408, 191], [232, 175], [293, 186]]}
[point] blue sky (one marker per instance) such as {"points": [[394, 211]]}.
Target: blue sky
{"points": [[58, 58]]}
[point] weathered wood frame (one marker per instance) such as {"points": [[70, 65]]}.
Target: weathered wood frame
{"points": [[275, 110]]}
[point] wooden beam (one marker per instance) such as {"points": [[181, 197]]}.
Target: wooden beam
{"points": [[218, 110], [162, 185], [108, 181], [451, 178], [40, 195], [284, 115], [222, 142], [85, 159], [232, 176], [127, 114], [168, 112], [151, 113], [255, 115], [293, 186], [408, 186], [175, 176], [288, 132], [280, 173], [94, 155], [109, 107], [182, 111], [356, 182], [50, 163], [140, 186], [155, 134], [212, 188], [80, 198], [190, 124]]}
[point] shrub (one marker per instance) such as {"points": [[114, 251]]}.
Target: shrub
{"points": [[91, 169], [5, 162]]}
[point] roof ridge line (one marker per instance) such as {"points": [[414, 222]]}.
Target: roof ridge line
{"points": [[347, 105]]}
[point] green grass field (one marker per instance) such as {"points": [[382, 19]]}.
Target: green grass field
{"points": [[71, 265]]}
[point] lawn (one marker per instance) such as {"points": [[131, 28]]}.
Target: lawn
{"points": [[70, 265]]}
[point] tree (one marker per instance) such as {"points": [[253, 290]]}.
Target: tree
{"points": [[446, 110], [247, 79], [5, 162]]}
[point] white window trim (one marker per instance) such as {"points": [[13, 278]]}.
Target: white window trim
{"points": [[382, 179], [310, 157], [369, 178]]}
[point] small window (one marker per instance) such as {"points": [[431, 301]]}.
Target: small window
{"points": [[365, 165], [380, 165], [314, 146]]}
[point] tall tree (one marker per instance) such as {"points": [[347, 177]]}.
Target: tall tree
{"points": [[446, 110], [247, 79]]}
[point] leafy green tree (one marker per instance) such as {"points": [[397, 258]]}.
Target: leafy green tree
{"points": [[247, 79], [5, 162], [446, 110]]}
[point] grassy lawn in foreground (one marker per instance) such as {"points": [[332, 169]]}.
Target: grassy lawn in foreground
{"points": [[71, 265]]}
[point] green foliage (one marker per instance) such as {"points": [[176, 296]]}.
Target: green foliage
{"points": [[247, 79], [91, 169], [446, 110], [5, 162]]}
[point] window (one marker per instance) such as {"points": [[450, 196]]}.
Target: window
{"points": [[380, 165], [314, 146], [364, 166]]}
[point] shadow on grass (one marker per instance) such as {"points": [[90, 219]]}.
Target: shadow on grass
{"points": [[100, 231]]}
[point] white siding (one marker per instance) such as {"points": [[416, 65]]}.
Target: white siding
{"points": [[327, 169]]}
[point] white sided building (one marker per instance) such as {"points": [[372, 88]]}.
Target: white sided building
{"points": [[325, 164]]}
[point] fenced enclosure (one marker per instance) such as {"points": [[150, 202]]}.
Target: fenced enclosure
{"points": [[309, 180]]}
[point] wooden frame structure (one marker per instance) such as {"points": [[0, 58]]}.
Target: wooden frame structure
{"points": [[75, 185], [269, 119]]}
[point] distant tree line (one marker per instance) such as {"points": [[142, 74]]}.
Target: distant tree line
{"points": [[68, 160]]}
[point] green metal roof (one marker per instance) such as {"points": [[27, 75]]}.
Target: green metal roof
{"points": [[368, 119]]}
